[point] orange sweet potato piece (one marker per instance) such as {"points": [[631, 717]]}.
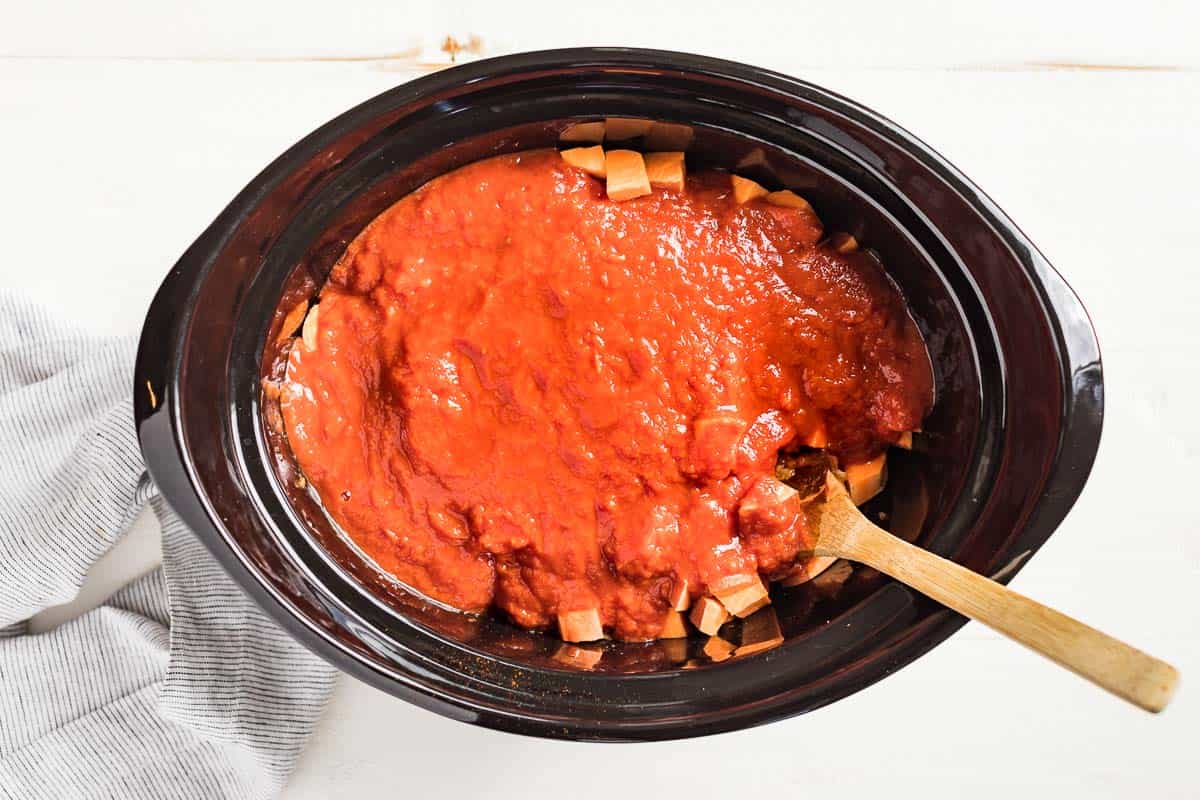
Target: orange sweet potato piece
{"points": [[667, 170], [718, 649], [292, 321], [309, 334], [580, 626], [866, 479], [745, 190], [741, 595], [843, 242], [626, 174], [588, 159], [708, 615], [673, 627], [680, 599], [788, 199]]}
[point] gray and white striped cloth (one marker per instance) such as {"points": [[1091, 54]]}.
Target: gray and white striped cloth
{"points": [[178, 686]]}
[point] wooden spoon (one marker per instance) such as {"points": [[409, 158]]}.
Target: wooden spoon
{"points": [[842, 531]]}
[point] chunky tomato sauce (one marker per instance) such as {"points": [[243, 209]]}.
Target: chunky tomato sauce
{"points": [[527, 396]]}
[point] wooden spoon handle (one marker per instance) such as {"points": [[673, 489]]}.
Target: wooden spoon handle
{"points": [[1110, 664]]}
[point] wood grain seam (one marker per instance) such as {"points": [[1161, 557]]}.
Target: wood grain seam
{"points": [[418, 58]]}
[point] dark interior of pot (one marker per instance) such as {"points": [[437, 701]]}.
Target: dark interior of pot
{"points": [[924, 484]]}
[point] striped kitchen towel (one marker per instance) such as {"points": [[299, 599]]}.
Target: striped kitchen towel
{"points": [[178, 686]]}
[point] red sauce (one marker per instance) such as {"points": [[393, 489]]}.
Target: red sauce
{"points": [[527, 396]]}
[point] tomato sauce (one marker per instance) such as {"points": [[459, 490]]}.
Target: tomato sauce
{"points": [[526, 396]]}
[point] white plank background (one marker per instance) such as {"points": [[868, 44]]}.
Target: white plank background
{"points": [[126, 126]]}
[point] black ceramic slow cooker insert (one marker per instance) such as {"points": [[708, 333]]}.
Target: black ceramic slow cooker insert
{"points": [[1004, 455]]}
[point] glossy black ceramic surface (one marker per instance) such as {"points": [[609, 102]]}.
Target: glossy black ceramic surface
{"points": [[1004, 455]]}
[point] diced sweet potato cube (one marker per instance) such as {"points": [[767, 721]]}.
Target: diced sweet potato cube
{"points": [[715, 442], [309, 334], [292, 321], [626, 174], [788, 199], [580, 626], [718, 649], [843, 242], [806, 571], [667, 170], [618, 129], [708, 615], [744, 600], [729, 583], [745, 190], [760, 632], [588, 159], [673, 627], [591, 132], [905, 442], [578, 657], [680, 599], [668, 136], [865, 480]]}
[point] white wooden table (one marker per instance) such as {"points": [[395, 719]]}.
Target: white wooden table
{"points": [[126, 126]]}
